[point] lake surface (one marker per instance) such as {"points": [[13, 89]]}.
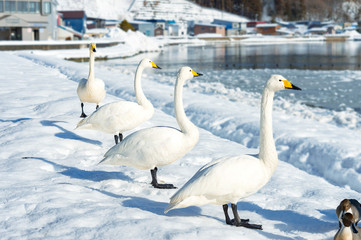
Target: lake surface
{"points": [[324, 70], [308, 55]]}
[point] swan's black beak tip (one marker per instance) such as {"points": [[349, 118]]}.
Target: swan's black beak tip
{"points": [[295, 88]]}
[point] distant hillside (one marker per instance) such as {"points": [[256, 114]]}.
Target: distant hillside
{"points": [[109, 9], [337, 10], [147, 9], [178, 10]]}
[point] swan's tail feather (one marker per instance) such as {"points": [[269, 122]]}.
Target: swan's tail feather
{"points": [[170, 207], [82, 124], [183, 201], [115, 159], [176, 201], [106, 160]]}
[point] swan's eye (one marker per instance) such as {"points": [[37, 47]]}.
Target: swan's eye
{"points": [[280, 80]]}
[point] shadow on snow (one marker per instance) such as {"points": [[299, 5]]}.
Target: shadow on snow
{"points": [[66, 134], [291, 221], [73, 172], [16, 120]]}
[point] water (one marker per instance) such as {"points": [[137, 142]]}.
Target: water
{"points": [[315, 56], [327, 72]]}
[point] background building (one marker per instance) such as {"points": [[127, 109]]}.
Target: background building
{"points": [[77, 20], [28, 20], [200, 28]]}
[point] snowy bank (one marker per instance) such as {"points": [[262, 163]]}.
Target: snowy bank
{"points": [[52, 188]]}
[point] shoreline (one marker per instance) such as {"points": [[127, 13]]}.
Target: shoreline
{"points": [[113, 48]]}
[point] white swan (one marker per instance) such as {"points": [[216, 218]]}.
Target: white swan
{"points": [[229, 179], [92, 89], [158, 146], [347, 230], [121, 116]]}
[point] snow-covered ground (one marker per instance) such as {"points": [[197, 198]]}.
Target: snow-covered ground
{"points": [[179, 10], [107, 9], [52, 188]]}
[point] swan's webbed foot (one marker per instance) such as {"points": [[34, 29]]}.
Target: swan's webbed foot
{"points": [[233, 222], [246, 224], [237, 221], [155, 183], [163, 186]]}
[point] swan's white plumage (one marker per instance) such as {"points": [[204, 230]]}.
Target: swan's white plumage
{"points": [[149, 148], [158, 146], [117, 117], [229, 179], [91, 90], [219, 182], [121, 116]]}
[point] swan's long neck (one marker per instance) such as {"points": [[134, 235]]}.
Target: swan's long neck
{"points": [[139, 94], [91, 66], [267, 148], [185, 125]]}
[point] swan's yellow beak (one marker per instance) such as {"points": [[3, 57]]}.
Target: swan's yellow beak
{"points": [[196, 74], [94, 48], [155, 65], [289, 85]]}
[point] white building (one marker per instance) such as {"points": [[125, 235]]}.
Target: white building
{"points": [[28, 20]]}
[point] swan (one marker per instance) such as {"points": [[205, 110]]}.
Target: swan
{"points": [[150, 148], [121, 116], [229, 179], [92, 89], [351, 206], [347, 230]]}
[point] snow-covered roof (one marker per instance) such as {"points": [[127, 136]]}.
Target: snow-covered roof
{"points": [[318, 29], [262, 25], [97, 30], [209, 24]]}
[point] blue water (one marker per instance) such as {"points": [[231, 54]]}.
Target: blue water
{"points": [[328, 73]]}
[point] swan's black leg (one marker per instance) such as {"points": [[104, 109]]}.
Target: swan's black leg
{"points": [[225, 210], [155, 183], [118, 138], [97, 107], [83, 115], [237, 221]]}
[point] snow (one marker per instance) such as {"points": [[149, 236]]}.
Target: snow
{"points": [[179, 10], [110, 9], [130, 44], [52, 188]]}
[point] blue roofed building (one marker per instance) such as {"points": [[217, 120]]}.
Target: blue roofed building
{"points": [[232, 27], [147, 28], [77, 20]]}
